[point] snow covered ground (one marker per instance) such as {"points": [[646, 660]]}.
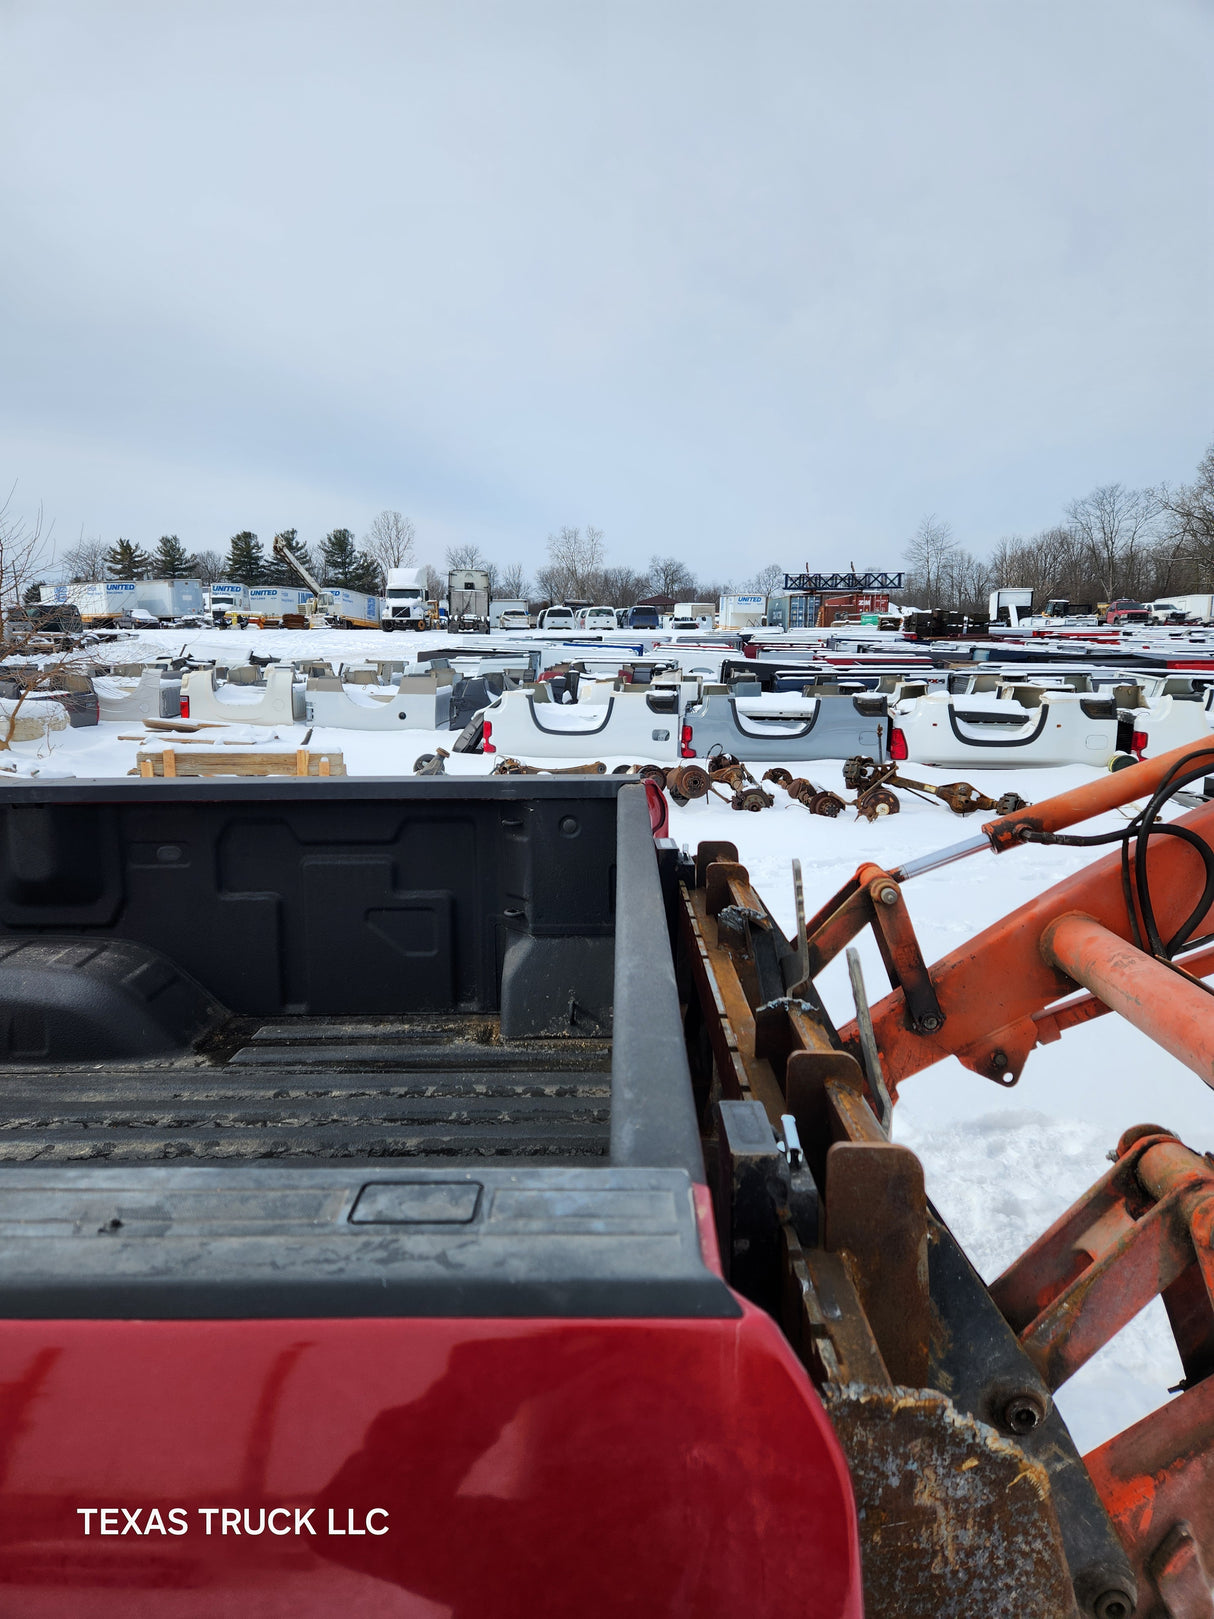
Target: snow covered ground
{"points": [[1001, 1164]]}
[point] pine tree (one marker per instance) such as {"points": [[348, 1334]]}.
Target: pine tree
{"points": [[33, 593], [277, 573], [127, 561], [171, 559], [344, 564], [245, 564]]}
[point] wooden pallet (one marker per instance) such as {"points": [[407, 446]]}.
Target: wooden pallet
{"points": [[186, 762]]}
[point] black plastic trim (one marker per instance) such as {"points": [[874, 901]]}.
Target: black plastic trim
{"points": [[274, 1241], [653, 1118], [995, 741]]}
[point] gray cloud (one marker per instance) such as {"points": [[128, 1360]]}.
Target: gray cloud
{"points": [[737, 281]]}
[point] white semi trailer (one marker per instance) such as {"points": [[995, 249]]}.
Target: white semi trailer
{"points": [[272, 603], [703, 612], [329, 606], [104, 601], [502, 605]]}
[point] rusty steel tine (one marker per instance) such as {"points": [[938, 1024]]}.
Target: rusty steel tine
{"points": [[868, 1041], [876, 1211], [798, 895]]}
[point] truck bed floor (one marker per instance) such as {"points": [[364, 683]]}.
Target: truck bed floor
{"points": [[318, 1089]]}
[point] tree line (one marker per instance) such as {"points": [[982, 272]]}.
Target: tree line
{"points": [[576, 568], [338, 559], [1114, 542], [1146, 544]]}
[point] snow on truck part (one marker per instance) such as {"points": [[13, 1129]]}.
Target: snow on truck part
{"points": [[446, 1195]]}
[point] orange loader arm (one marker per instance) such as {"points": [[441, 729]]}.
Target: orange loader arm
{"points": [[993, 996]]}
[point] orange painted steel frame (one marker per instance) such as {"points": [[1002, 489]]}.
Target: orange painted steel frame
{"points": [[1147, 1227], [993, 991]]}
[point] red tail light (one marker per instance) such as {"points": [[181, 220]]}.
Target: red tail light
{"points": [[185, 706], [897, 744], [659, 810], [486, 745], [1138, 743], [685, 747]]}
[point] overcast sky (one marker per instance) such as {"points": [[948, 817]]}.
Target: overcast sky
{"points": [[745, 282]]}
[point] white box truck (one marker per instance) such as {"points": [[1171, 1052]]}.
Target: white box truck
{"points": [[226, 596], [1196, 608], [1011, 604], [743, 612], [704, 613], [503, 605]]}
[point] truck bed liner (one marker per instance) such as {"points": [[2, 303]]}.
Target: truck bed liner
{"points": [[356, 1048], [293, 1092]]}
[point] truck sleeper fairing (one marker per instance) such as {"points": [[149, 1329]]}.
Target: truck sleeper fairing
{"points": [[349, 1163], [280, 701], [154, 695], [419, 702]]}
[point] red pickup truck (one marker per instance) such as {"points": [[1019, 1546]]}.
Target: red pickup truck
{"points": [[1125, 611], [436, 1197]]}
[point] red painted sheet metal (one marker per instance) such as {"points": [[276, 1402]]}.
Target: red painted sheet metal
{"points": [[495, 1467]]}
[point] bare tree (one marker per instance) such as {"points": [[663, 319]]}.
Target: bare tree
{"points": [[670, 576], [210, 566], [470, 555], [85, 561], [436, 583], [34, 660], [930, 551], [767, 579], [575, 564], [622, 586], [514, 584], [712, 590], [467, 555], [1188, 518], [968, 583], [1115, 526], [391, 540]]}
